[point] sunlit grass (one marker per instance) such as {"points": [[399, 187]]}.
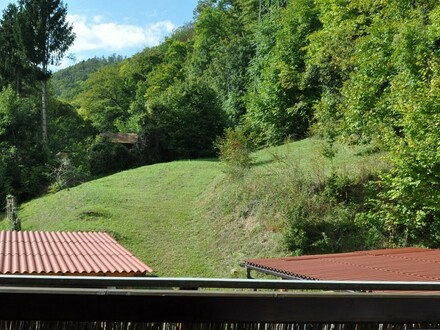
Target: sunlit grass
{"points": [[166, 214]]}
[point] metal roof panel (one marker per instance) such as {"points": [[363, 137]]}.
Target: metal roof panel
{"points": [[402, 264]]}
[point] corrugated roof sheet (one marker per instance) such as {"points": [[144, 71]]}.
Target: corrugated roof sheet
{"points": [[403, 264], [66, 253]]}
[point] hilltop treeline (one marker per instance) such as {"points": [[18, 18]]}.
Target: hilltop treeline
{"points": [[360, 71]]}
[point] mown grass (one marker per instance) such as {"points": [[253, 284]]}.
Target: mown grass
{"points": [[150, 210], [187, 218]]}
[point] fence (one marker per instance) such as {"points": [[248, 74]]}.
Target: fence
{"points": [[168, 303]]}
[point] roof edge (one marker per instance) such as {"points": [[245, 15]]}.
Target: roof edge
{"points": [[277, 273]]}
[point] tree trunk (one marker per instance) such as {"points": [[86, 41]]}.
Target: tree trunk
{"points": [[17, 83], [44, 109]]}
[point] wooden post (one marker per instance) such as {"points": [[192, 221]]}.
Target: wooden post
{"points": [[11, 209]]}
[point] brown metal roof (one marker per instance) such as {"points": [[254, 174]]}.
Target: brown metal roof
{"points": [[66, 253], [404, 264]]}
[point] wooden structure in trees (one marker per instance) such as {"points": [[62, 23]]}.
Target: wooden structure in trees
{"points": [[123, 138]]}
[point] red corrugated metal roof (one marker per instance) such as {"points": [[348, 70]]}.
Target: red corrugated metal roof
{"points": [[66, 253], [404, 264]]}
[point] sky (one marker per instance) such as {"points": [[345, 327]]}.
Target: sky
{"points": [[123, 27]]}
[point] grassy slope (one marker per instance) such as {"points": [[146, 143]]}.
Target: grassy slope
{"points": [[159, 212], [148, 210]]}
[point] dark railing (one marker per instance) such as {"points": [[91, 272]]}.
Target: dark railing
{"points": [[185, 303]]}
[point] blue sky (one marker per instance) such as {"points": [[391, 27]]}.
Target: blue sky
{"points": [[124, 27]]}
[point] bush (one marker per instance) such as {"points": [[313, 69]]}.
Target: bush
{"points": [[106, 157], [66, 175], [235, 151], [151, 147], [326, 217]]}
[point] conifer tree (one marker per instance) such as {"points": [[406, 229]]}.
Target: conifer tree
{"points": [[45, 36], [13, 66]]}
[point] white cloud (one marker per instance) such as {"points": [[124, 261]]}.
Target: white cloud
{"points": [[98, 19], [98, 34]]}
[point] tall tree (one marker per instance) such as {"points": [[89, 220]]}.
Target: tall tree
{"points": [[223, 50], [45, 36], [13, 67], [106, 99], [281, 96]]}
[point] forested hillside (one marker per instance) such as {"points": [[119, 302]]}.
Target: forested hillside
{"points": [[68, 83], [353, 71]]}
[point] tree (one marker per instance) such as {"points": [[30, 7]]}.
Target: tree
{"points": [[280, 97], [22, 156], [106, 99], [190, 119], [45, 36], [378, 67], [223, 50], [409, 206], [13, 67]]}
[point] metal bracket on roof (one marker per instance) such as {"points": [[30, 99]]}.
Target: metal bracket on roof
{"points": [[248, 273]]}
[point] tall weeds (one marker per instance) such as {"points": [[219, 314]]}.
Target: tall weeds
{"points": [[317, 211]]}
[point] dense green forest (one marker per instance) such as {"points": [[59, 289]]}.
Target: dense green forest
{"points": [[352, 71]]}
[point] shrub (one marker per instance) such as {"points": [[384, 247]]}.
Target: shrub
{"points": [[151, 147], [106, 157], [235, 151], [328, 217], [66, 175]]}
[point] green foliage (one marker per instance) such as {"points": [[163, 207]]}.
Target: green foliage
{"points": [[45, 35], [222, 52], [235, 151], [171, 69], [26, 164], [190, 119], [280, 100], [22, 156], [106, 99], [14, 70], [106, 157], [69, 130], [151, 147], [68, 83], [377, 63], [66, 175], [138, 74], [329, 58], [323, 218], [313, 204], [409, 207], [69, 144]]}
